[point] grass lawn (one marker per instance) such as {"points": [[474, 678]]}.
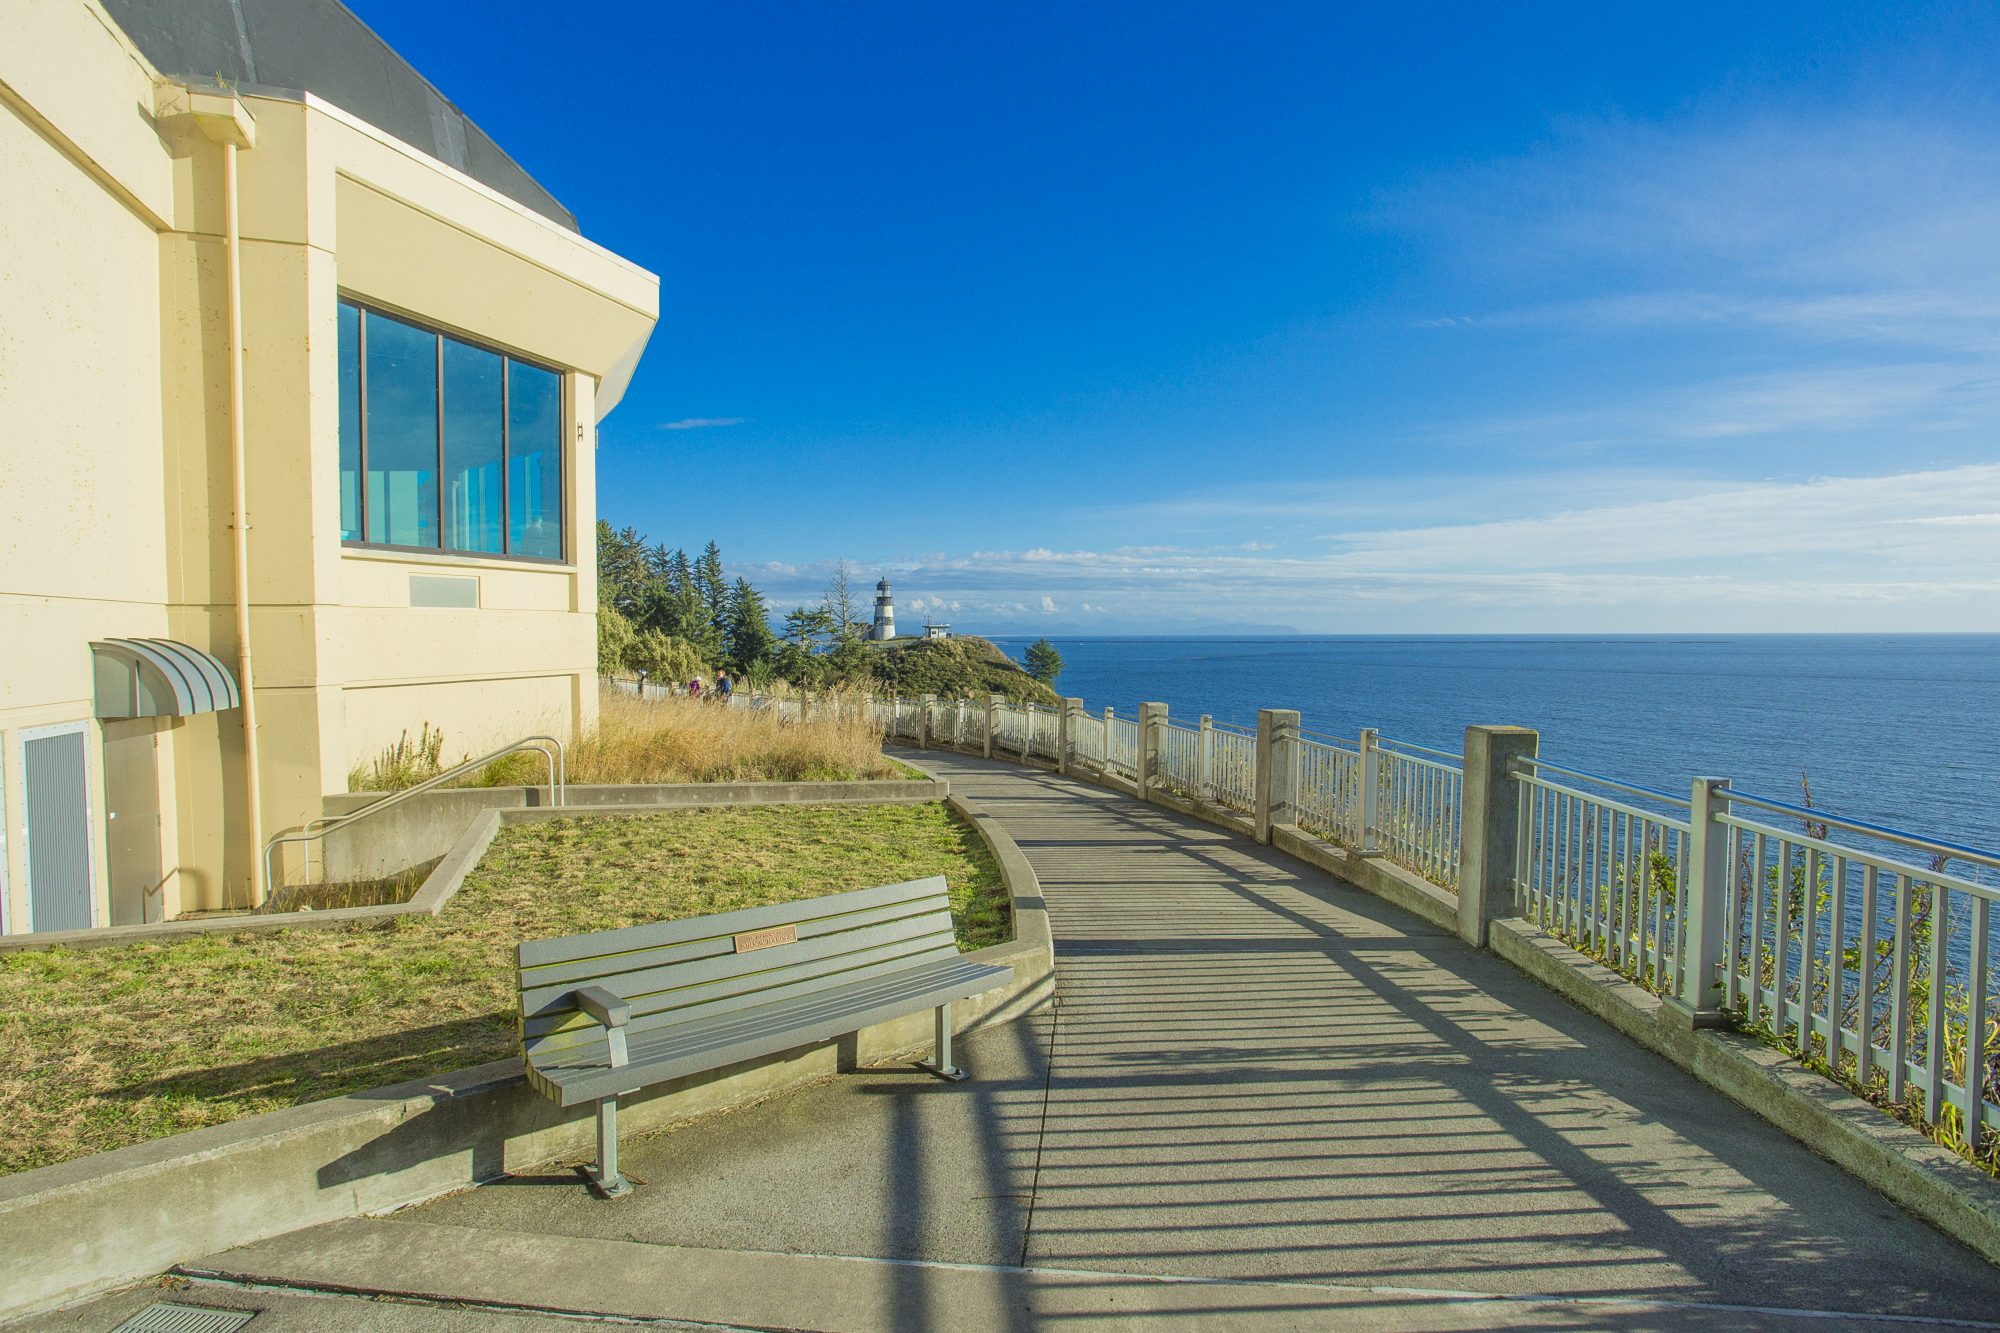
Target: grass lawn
{"points": [[104, 1047]]}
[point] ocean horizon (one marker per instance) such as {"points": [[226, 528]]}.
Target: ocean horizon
{"points": [[1895, 729]]}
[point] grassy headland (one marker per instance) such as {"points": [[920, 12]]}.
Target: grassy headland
{"points": [[967, 667], [152, 1039]]}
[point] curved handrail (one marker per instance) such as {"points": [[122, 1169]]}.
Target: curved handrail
{"points": [[315, 830]]}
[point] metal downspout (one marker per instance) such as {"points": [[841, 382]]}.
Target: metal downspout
{"points": [[240, 534]]}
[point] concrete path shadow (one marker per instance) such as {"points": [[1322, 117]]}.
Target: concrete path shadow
{"points": [[1260, 1078]]}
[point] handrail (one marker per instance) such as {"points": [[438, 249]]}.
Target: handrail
{"points": [[1956, 851], [1539, 765], [1419, 750], [314, 830]]}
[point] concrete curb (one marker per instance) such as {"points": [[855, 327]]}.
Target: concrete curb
{"points": [[465, 848], [81, 1227], [1886, 1155]]}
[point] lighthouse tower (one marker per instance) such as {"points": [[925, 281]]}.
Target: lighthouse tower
{"points": [[885, 613]]}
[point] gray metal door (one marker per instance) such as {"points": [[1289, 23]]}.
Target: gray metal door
{"points": [[132, 821], [58, 799]]}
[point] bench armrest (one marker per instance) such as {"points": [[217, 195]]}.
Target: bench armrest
{"points": [[602, 1005]]}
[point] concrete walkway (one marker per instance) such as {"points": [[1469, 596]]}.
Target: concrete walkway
{"points": [[1254, 1075]]}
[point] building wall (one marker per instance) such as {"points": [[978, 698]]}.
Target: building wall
{"points": [[82, 512], [115, 471]]}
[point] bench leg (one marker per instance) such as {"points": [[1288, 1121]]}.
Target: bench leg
{"points": [[940, 1062], [609, 1183]]}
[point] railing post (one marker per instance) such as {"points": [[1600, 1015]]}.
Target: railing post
{"points": [[925, 702], [1206, 790], [1697, 1002], [1152, 726], [1277, 769], [992, 724], [1072, 713], [1105, 766], [1489, 826], [1371, 792]]}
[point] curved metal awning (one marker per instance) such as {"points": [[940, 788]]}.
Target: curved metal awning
{"points": [[159, 678]]}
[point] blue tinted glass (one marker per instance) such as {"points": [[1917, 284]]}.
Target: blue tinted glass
{"points": [[472, 412], [402, 434], [350, 423], [534, 461]]}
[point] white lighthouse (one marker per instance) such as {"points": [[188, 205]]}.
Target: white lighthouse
{"points": [[885, 613]]}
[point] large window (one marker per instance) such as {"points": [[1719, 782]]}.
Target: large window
{"points": [[446, 445]]}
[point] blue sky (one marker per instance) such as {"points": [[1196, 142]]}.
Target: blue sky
{"points": [[1476, 318]]}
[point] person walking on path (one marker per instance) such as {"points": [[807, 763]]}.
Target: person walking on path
{"points": [[722, 687], [694, 688]]}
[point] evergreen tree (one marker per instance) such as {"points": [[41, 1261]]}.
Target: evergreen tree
{"points": [[749, 627], [806, 632], [712, 586], [623, 569], [1044, 663], [841, 606]]}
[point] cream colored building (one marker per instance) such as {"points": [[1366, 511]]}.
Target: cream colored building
{"points": [[427, 558]]}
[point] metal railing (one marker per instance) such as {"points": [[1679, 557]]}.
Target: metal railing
{"points": [[316, 831], [1868, 949], [1121, 745], [1232, 769], [1605, 875], [1418, 795], [1329, 788]]}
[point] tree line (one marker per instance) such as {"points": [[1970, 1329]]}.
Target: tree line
{"points": [[675, 616]]}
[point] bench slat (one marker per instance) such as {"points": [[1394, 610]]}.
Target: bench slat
{"points": [[569, 948], [762, 1030], [742, 991], [582, 971], [638, 976]]}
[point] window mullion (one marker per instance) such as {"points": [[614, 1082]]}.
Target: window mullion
{"points": [[361, 462], [437, 371], [506, 464]]}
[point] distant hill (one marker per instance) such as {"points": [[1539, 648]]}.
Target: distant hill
{"points": [[965, 667]]}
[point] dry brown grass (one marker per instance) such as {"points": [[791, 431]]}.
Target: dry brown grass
{"points": [[680, 740]]}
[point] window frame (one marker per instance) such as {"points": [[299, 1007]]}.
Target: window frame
{"points": [[507, 359]]}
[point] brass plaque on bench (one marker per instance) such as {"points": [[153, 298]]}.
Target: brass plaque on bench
{"points": [[752, 940]]}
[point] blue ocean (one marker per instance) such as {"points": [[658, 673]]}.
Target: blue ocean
{"points": [[1901, 730]]}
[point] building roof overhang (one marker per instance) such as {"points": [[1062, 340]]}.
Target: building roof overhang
{"points": [[159, 678]]}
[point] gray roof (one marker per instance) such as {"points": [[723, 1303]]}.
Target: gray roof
{"points": [[320, 47]]}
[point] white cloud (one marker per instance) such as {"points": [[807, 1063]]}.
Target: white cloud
{"points": [[1911, 550], [702, 423]]}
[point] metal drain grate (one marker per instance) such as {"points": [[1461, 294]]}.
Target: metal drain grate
{"points": [[166, 1317]]}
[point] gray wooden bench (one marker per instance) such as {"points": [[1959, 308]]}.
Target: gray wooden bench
{"points": [[609, 1013]]}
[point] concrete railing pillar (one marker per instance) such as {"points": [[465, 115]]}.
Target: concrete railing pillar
{"points": [[1277, 769], [1206, 790], [992, 724], [1489, 826], [1152, 733], [1371, 791], [925, 703], [1698, 1002], [1072, 713]]}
